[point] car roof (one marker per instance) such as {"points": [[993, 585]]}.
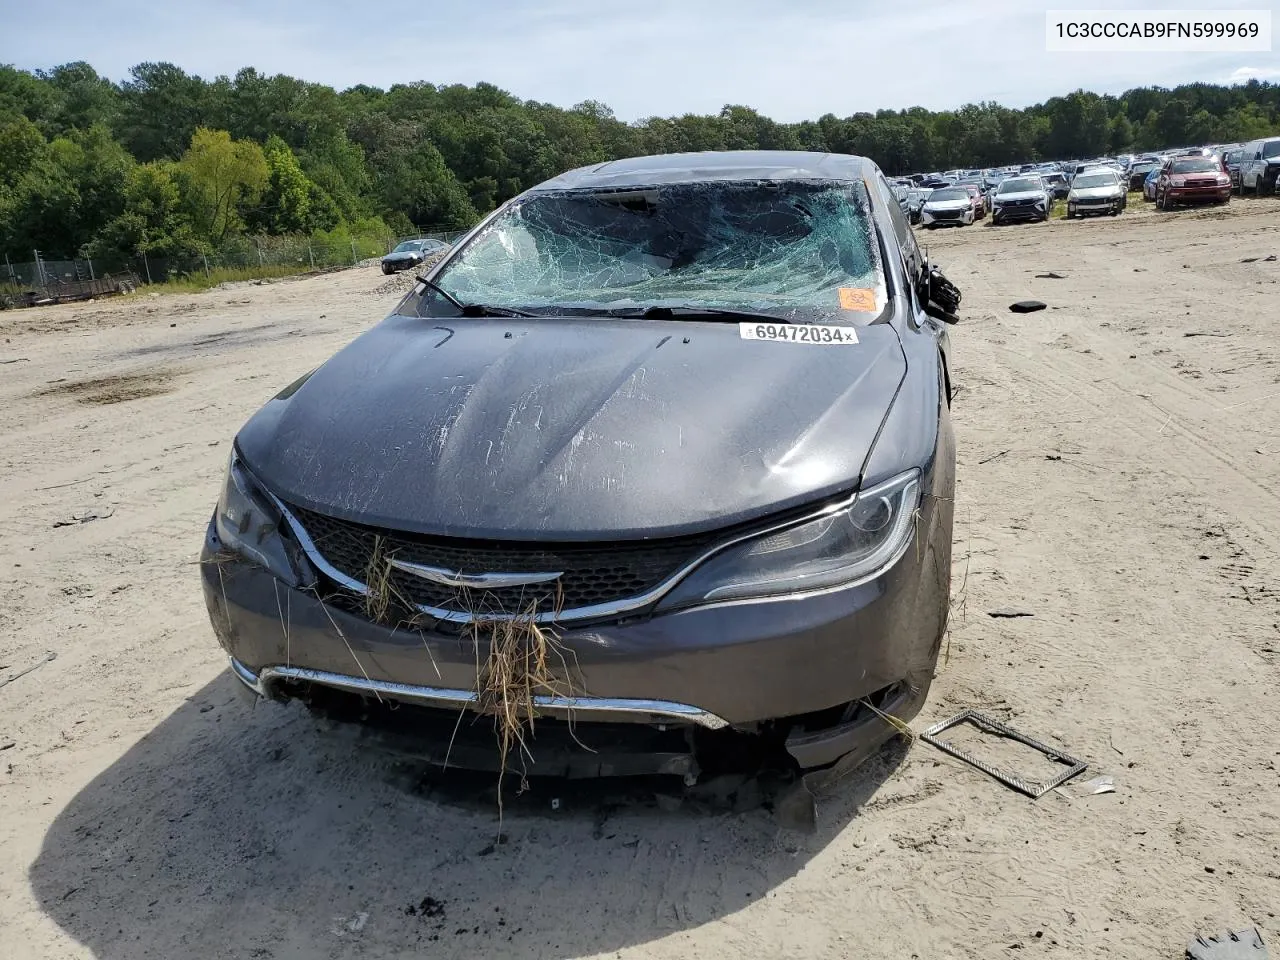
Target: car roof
{"points": [[712, 165]]}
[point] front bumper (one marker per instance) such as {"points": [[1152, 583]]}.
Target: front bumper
{"points": [[948, 219], [401, 263], [1020, 212], [1085, 207], [1215, 194], [752, 666]]}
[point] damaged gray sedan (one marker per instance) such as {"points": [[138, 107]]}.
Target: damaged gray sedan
{"points": [[656, 465]]}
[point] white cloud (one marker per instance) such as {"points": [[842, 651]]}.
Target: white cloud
{"points": [[1245, 74]]}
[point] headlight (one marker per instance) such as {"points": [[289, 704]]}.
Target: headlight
{"points": [[247, 523], [839, 549]]}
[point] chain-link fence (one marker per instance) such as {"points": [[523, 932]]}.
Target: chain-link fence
{"points": [[42, 281]]}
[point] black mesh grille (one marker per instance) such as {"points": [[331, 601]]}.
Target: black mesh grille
{"points": [[593, 573]]}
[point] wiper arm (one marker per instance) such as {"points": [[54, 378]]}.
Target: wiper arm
{"points": [[472, 309], [720, 314]]}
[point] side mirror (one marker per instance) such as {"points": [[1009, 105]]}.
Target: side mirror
{"points": [[941, 297]]}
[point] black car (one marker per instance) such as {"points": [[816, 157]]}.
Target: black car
{"points": [[662, 450], [412, 253], [1057, 183], [1137, 173]]}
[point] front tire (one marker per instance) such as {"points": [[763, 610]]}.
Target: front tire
{"points": [[386, 270]]}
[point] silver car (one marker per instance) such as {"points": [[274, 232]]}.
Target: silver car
{"points": [[1096, 191], [1021, 198], [948, 207]]}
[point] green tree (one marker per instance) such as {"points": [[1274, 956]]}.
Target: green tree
{"points": [[218, 176], [286, 203], [85, 98], [1122, 133], [21, 146], [162, 106], [153, 222]]}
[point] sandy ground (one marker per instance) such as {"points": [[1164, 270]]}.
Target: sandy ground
{"points": [[1118, 479]]}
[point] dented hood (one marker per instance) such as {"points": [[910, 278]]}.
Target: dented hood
{"points": [[573, 429]]}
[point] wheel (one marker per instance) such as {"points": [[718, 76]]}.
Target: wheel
{"points": [[1071, 214], [386, 270]]}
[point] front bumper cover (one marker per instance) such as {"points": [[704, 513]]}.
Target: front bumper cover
{"points": [[742, 665]]}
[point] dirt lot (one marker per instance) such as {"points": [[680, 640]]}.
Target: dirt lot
{"points": [[1118, 480]]}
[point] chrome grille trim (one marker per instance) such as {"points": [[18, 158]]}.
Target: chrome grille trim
{"points": [[264, 682], [600, 611]]}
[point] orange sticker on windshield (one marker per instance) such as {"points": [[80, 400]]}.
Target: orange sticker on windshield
{"points": [[855, 298]]}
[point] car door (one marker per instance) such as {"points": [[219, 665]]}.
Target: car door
{"points": [[1249, 164], [914, 265]]}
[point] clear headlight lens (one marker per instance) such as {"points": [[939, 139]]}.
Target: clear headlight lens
{"points": [[247, 523], [841, 548]]}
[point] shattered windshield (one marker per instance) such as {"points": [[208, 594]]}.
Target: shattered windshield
{"points": [[800, 248]]}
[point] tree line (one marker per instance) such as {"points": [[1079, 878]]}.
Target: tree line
{"points": [[172, 165]]}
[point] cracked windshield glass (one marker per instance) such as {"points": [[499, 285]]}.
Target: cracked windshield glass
{"points": [[782, 248]]}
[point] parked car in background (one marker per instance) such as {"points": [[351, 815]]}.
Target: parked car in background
{"points": [[1149, 184], [1096, 190], [948, 207], [1260, 165], [778, 606], [901, 195], [1138, 171], [1057, 183], [1021, 198], [978, 197], [1231, 158], [1192, 179], [915, 201], [412, 253]]}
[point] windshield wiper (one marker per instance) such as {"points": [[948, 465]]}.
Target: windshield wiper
{"points": [[716, 314], [472, 309]]}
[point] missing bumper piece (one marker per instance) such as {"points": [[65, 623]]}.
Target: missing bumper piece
{"points": [[1035, 790]]}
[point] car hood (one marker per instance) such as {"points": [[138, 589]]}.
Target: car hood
{"points": [[404, 255], [1095, 193], [1020, 195], [947, 204], [573, 429]]}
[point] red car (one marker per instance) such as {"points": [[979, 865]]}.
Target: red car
{"points": [[1192, 180], [977, 198]]}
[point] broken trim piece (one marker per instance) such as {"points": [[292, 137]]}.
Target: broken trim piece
{"points": [[639, 711], [1031, 788]]}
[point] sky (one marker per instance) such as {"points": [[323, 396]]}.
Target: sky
{"points": [[789, 59]]}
